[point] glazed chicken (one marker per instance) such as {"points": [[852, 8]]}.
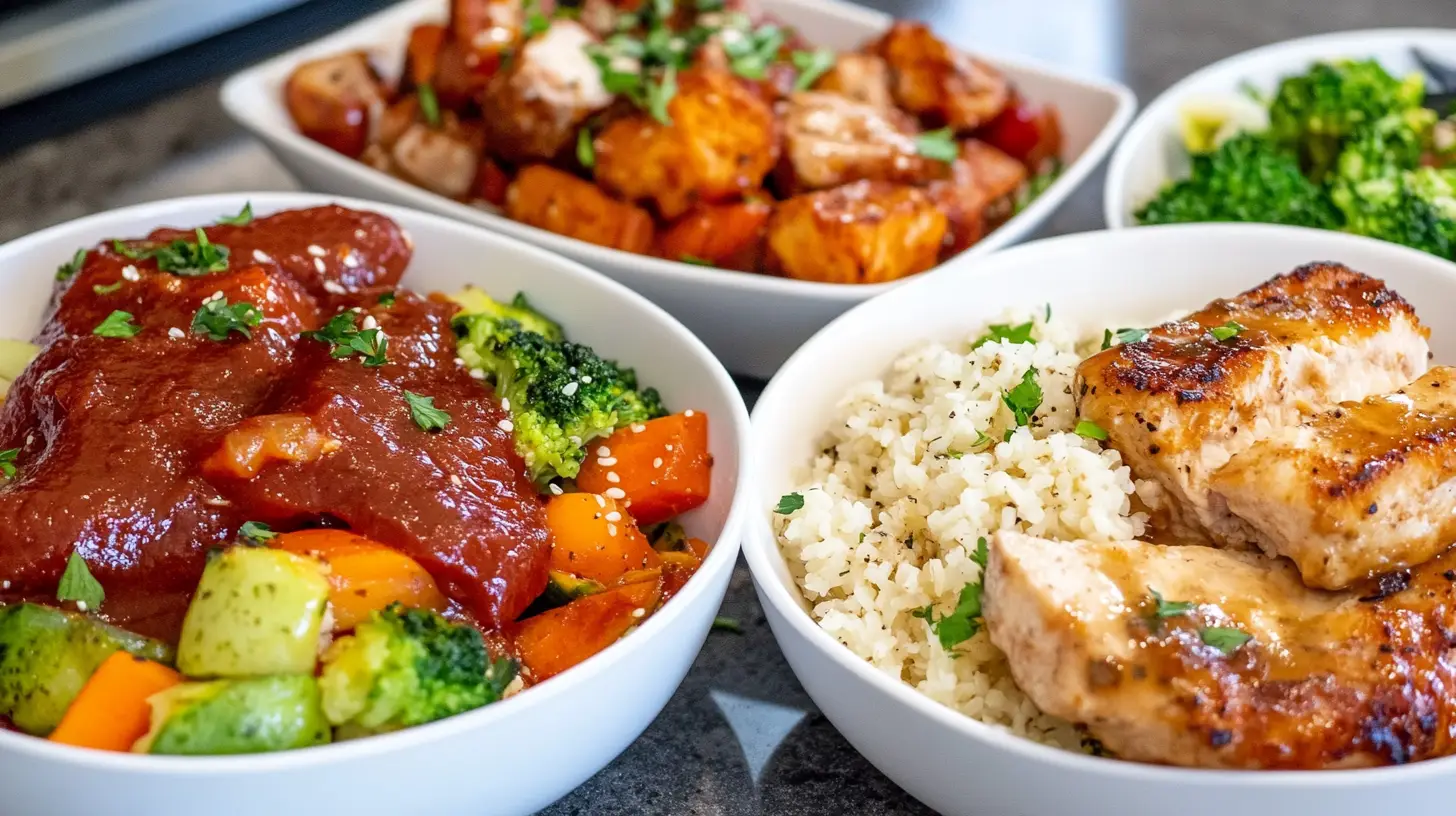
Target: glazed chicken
{"points": [[1233, 663], [1363, 489], [1197, 391]]}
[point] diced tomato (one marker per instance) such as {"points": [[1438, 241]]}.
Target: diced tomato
{"points": [[1029, 133]]}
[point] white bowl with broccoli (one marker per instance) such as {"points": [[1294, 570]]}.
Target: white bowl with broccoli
{"points": [[507, 756], [1301, 133]]}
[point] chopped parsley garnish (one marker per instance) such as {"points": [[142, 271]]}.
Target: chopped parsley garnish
{"points": [[954, 454], [1003, 332], [659, 95], [1038, 184], [429, 104], [424, 413], [256, 532], [750, 54], [1226, 639], [1091, 430], [1227, 331], [117, 324], [982, 440], [790, 503], [242, 219], [586, 151], [812, 65], [1024, 399], [695, 260], [79, 585], [388, 299], [7, 462], [536, 22], [1123, 337], [348, 340], [189, 259], [68, 270], [107, 289], [726, 624], [1164, 609], [217, 319], [939, 145], [965, 620]]}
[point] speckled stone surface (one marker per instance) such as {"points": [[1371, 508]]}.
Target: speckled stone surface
{"points": [[740, 737]]}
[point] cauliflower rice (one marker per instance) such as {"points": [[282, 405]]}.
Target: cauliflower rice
{"points": [[901, 492]]}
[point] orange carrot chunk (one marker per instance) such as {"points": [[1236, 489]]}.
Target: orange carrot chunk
{"points": [[662, 466], [554, 641], [593, 537], [111, 712], [364, 576]]}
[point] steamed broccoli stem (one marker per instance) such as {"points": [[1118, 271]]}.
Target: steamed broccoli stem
{"points": [[1248, 178], [406, 667], [475, 301], [1313, 113]]}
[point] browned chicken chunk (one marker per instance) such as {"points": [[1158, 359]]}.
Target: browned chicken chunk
{"points": [[1363, 489], [1181, 403], [979, 194], [861, 77], [333, 99], [562, 203], [934, 80], [533, 109], [866, 232], [1239, 665], [830, 140]]}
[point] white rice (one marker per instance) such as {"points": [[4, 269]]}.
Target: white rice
{"points": [[891, 517]]}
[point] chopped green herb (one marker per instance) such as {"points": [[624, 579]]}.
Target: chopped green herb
{"points": [[710, 5], [982, 440], [429, 104], [1227, 331], [695, 260], [939, 145], [79, 585], [1010, 432], [586, 151], [217, 319], [256, 532], [107, 289], [1024, 399], [348, 340], [660, 94], [789, 504], [189, 259], [536, 22], [726, 624], [954, 454], [1091, 430], [1224, 638], [1162, 610], [1004, 332], [242, 219], [1123, 337], [117, 324], [750, 55], [7, 462], [1038, 184], [812, 65], [68, 270], [1048, 317], [424, 413], [387, 299], [965, 621]]}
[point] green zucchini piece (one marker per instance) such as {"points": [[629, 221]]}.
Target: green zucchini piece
{"points": [[252, 716], [562, 588], [668, 537], [257, 612], [48, 654]]}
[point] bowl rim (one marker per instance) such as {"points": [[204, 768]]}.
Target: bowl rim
{"points": [[238, 87], [765, 557], [1115, 206], [721, 559]]}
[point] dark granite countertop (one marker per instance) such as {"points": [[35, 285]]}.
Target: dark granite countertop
{"points": [[740, 736]]}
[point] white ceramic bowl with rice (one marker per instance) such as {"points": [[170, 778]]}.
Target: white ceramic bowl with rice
{"points": [[891, 401]]}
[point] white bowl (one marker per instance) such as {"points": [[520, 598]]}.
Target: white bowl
{"points": [[751, 321], [513, 757], [1152, 154], [949, 761]]}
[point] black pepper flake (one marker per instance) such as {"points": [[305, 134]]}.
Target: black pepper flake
{"points": [[1371, 510], [1389, 584], [1154, 450], [1449, 575], [1219, 737], [1386, 648]]}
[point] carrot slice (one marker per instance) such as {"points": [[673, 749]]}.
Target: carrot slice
{"points": [[364, 575], [554, 641], [255, 442], [595, 538], [663, 466], [423, 53], [111, 712]]}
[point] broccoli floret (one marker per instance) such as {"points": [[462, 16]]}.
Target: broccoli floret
{"points": [[561, 394], [1313, 113], [1415, 208], [1248, 178], [1386, 148], [474, 301], [405, 667]]}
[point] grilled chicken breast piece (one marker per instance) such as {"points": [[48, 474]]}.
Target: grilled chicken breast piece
{"points": [[1182, 402], [1363, 489], [1324, 680]]}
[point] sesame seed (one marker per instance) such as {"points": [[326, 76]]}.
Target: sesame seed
{"points": [[369, 323], [601, 502], [81, 605], [477, 373], [604, 451], [360, 234], [317, 251], [460, 361], [130, 273], [176, 333], [569, 388], [262, 257], [614, 516], [555, 489], [506, 403], [29, 438], [586, 378], [607, 462], [356, 309], [637, 613], [612, 530], [334, 287], [688, 412], [638, 428], [218, 295], [4, 584], [318, 263], [506, 425], [351, 260], [668, 446], [575, 440], [657, 463], [455, 480], [616, 493], [613, 477]]}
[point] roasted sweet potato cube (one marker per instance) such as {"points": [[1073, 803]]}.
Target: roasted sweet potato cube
{"points": [[720, 145], [534, 108], [830, 140], [331, 101], [562, 203], [729, 236], [866, 232], [937, 82]]}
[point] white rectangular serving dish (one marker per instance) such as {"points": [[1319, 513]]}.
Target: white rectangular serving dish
{"points": [[753, 322]]}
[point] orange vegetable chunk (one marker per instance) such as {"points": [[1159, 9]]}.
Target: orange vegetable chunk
{"points": [[111, 712], [364, 576], [554, 641], [594, 537], [663, 466], [256, 441]]}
